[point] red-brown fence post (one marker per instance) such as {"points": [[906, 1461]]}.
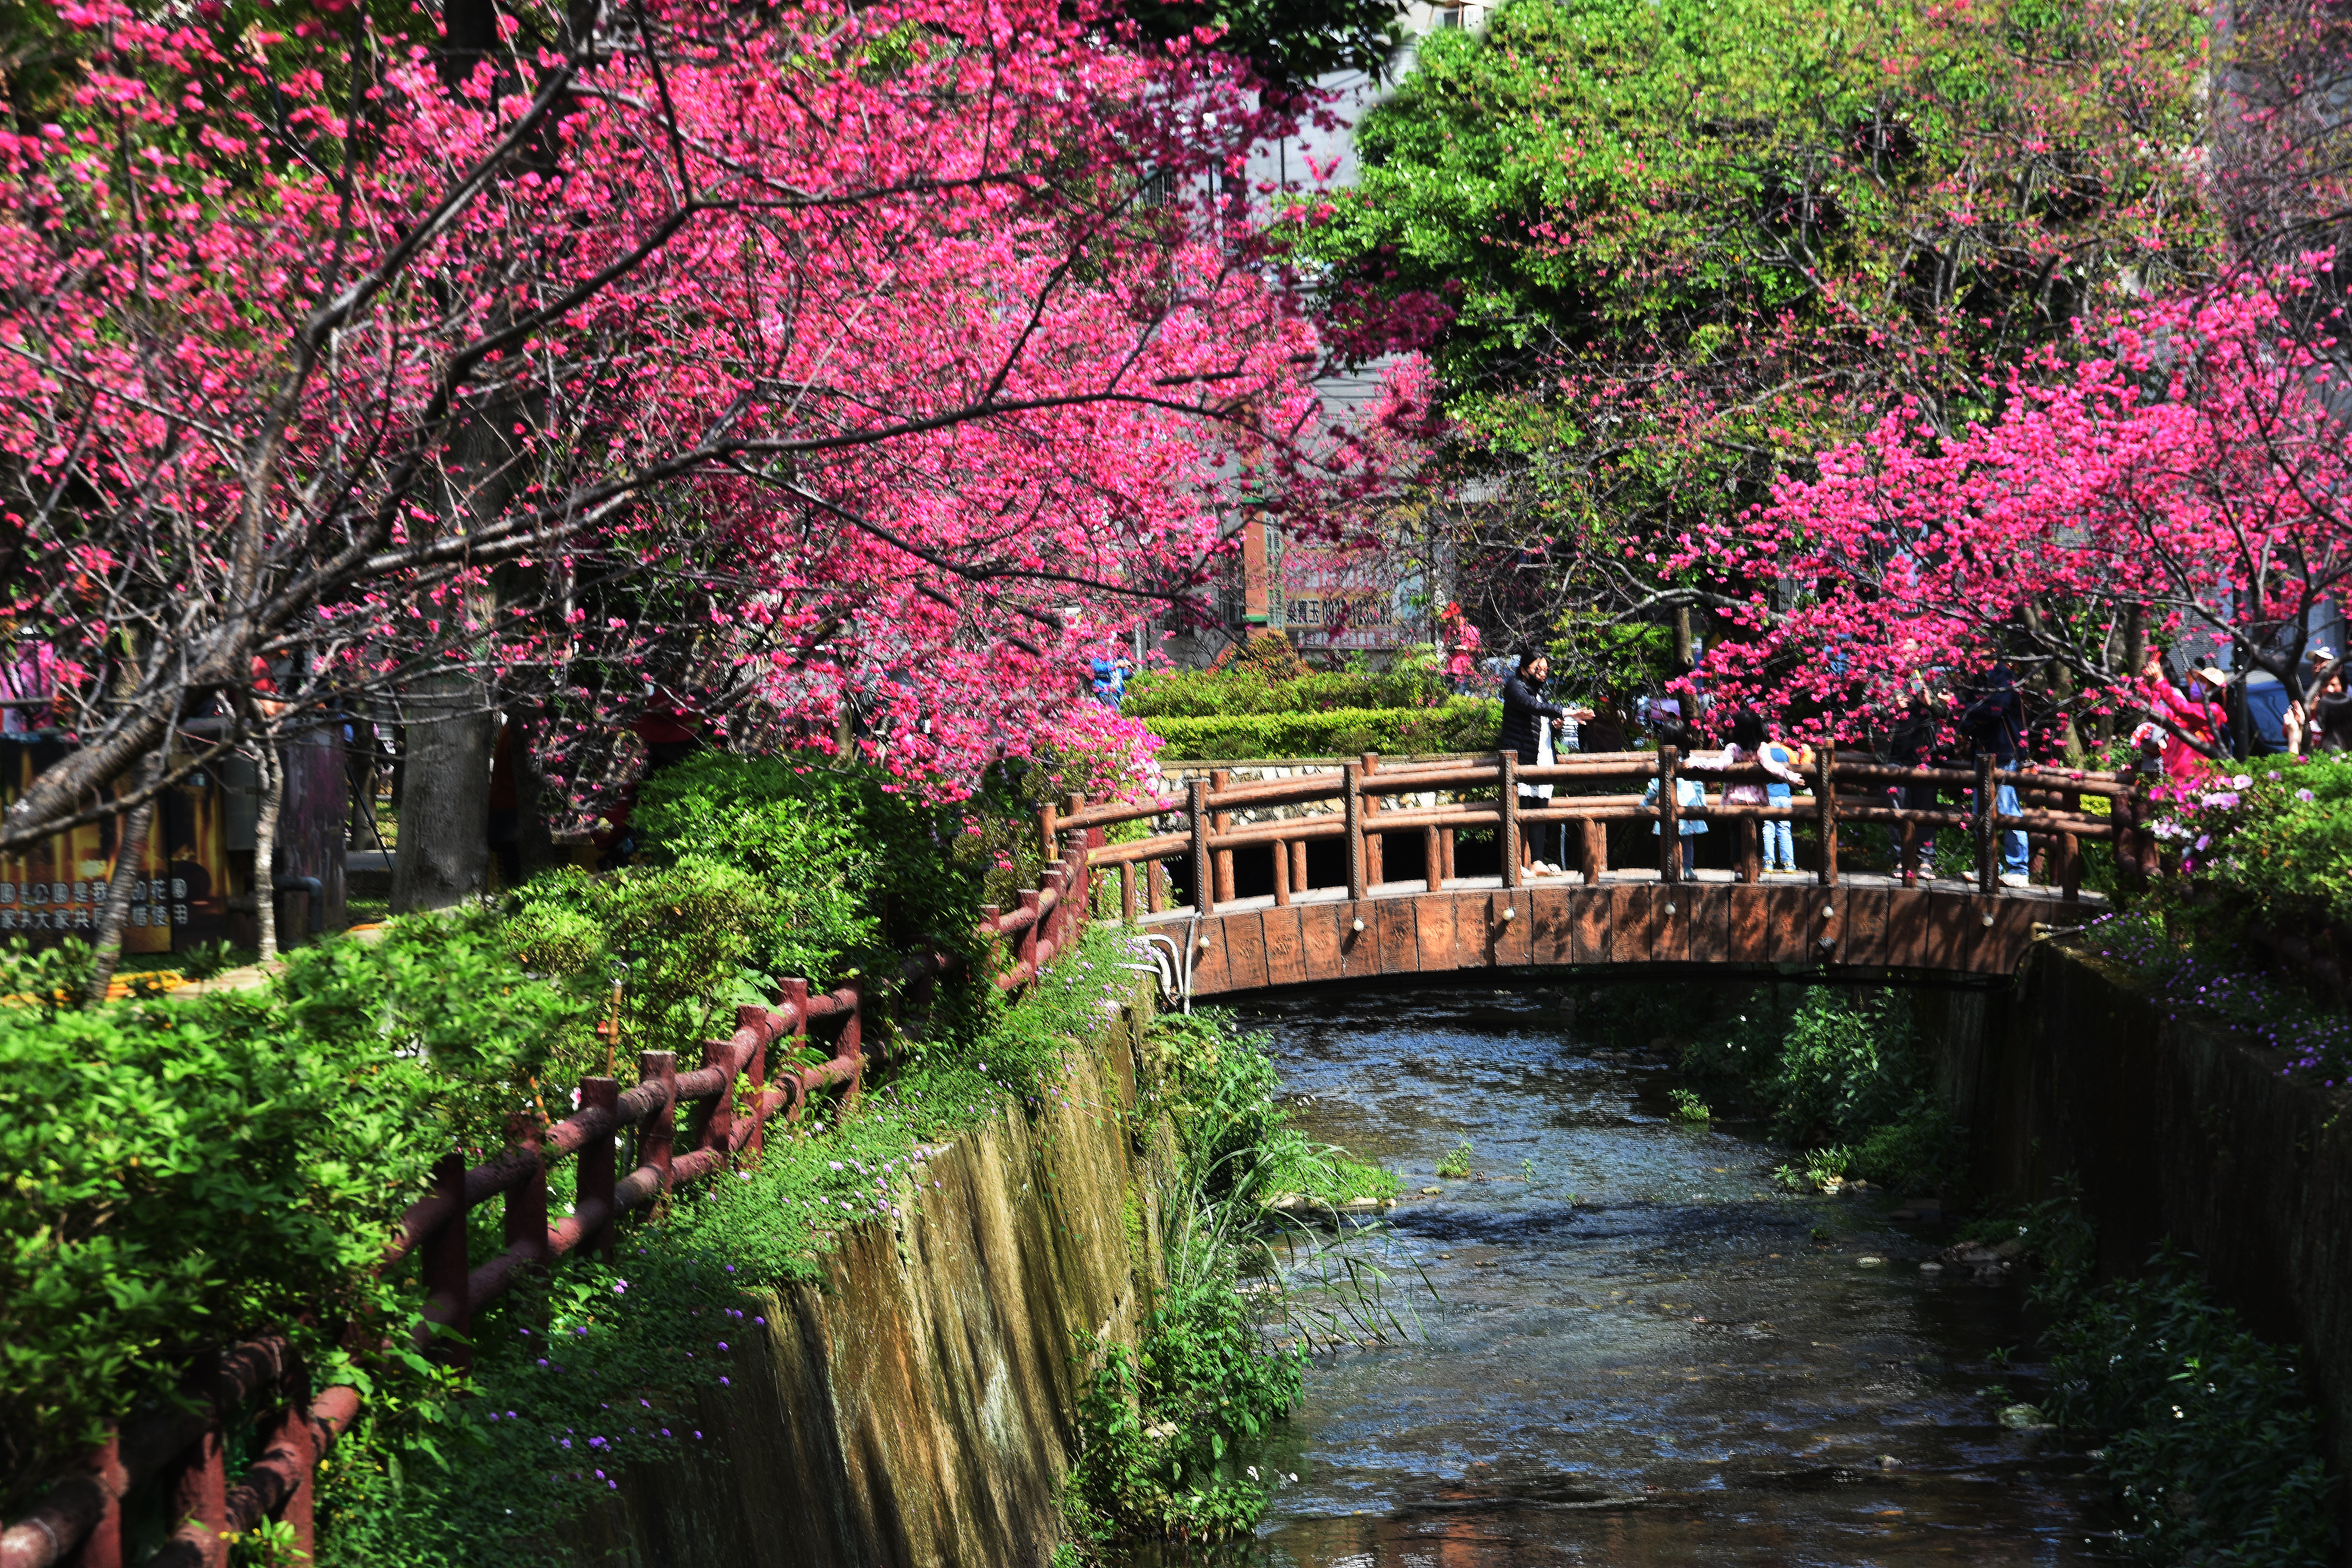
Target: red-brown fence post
{"points": [[1057, 919], [1127, 891], [102, 1547], [755, 1137], [851, 1043], [1376, 870], [1204, 881], [1670, 826], [1222, 823], [1081, 883], [1506, 807], [795, 992], [2069, 849], [1026, 953], [658, 1133], [445, 1265], [526, 1212], [299, 1439], [200, 1491], [715, 1123], [595, 1178], [1825, 786], [1591, 851], [1433, 862], [1351, 807], [1988, 863]]}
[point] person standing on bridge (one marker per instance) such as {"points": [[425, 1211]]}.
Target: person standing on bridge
{"points": [[1913, 744], [1536, 730], [1994, 723], [1749, 744]]}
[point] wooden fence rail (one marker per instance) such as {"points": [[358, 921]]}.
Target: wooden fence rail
{"points": [[1362, 796], [79, 1519]]}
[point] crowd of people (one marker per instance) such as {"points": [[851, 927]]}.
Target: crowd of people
{"points": [[2205, 720]]}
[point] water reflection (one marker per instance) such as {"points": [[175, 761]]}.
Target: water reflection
{"points": [[1645, 1353]]}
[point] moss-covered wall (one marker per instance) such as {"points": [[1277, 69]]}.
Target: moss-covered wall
{"points": [[2170, 1129], [914, 1409]]}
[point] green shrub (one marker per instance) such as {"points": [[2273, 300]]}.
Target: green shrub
{"points": [[2210, 1437], [1461, 724], [1207, 693], [2273, 850], [184, 1175], [1848, 1065], [857, 867]]}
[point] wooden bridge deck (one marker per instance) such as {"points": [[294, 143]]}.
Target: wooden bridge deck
{"points": [[1864, 924]]}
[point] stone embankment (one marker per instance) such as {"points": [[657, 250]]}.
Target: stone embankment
{"points": [[913, 1409]]}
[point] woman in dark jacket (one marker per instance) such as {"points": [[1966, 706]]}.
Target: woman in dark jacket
{"points": [[1522, 713], [1522, 708]]}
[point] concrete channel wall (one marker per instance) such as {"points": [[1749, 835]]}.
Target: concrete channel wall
{"points": [[913, 1410], [2171, 1130]]}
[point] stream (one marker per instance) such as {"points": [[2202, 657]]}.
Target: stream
{"points": [[1643, 1350]]}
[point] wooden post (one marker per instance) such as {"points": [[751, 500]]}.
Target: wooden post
{"points": [[1375, 857], [1196, 807], [1751, 851], [200, 1492], [1825, 788], [851, 1043], [1298, 882], [755, 1137], [1910, 857], [1048, 824], [2070, 850], [1080, 887], [294, 1437], [658, 1132], [1025, 949], [1351, 800], [1432, 862], [526, 1215], [1155, 886], [1592, 851], [1222, 822], [1281, 873], [1506, 774], [594, 1180], [1670, 826], [715, 1126], [1445, 854], [1988, 861], [102, 1547], [446, 1265], [796, 993]]}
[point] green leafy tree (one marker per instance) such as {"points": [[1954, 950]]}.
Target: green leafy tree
{"points": [[1687, 245]]}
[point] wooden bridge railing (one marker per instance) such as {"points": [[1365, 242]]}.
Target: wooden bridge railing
{"points": [[1364, 794], [78, 1520]]}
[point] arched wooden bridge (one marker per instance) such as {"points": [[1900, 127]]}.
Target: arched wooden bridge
{"points": [[1370, 922]]}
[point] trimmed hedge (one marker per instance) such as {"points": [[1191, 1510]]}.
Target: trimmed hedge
{"points": [[1463, 724]]}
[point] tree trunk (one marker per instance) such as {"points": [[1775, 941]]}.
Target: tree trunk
{"points": [[444, 856], [130, 855], [265, 844]]}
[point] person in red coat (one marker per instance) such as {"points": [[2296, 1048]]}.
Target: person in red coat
{"points": [[2197, 714]]}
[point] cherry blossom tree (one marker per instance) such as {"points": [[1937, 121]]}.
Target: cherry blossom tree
{"points": [[2184, 470], [681, 356]]}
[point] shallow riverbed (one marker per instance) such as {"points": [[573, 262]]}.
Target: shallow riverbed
{"points": [[1643, 1352]]}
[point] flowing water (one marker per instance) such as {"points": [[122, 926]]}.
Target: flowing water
{"points": [[1643, 1351]]}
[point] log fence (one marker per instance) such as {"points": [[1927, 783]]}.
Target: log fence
{"points": [[729, 1098], [1363, 806]]}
